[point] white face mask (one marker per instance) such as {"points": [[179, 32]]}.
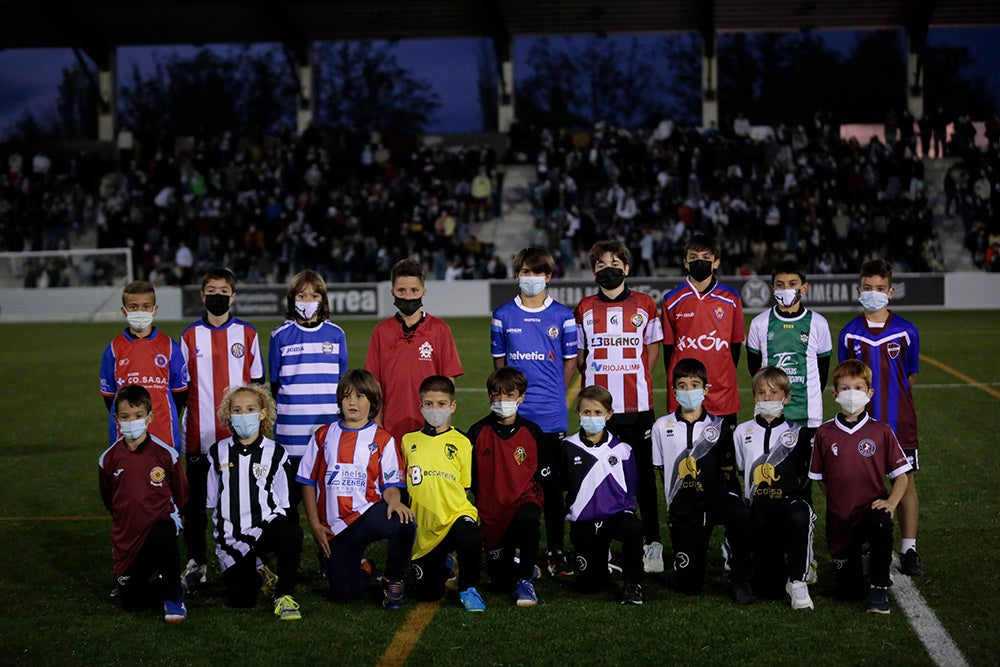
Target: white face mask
{"points": [[139, 320], [306, 309], [133, 430], [873, 301], [853, 401], [504, 409], [787, 297], [768, 409], [593, 425], [436, 417], [532, 285]]}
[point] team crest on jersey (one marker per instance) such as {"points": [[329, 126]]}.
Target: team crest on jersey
{"points": [[867, 448], [327, 347], [637, 320], [893, 350], [720, 312], [259, 470], [372, 447], [553, 332], [160, 360], [156, 476], [787, 439], [238, 350], [834, 449], [426, 351], [450, 450], [711, 434], [520, 455], [804, 337], [613, 460]]}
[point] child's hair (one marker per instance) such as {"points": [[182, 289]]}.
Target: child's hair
{"points": [[790, 266], [440, 383], [135, 395], [876, 267], [268, 413], [616, 248], [689, 367], [774, 377], [505, 379], [220, 274], [536, 260], [595, 393], [852, 368], [410, 268], [703, 243], [363, 382], [139, 287], [300, 281]]}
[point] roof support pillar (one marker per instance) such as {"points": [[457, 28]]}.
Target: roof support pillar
{"points": [[709, 69], [107, 88], [306, 99]]}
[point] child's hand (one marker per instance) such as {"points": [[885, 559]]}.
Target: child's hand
{"points": [[405, 513], [881, 504], [321, 536]]}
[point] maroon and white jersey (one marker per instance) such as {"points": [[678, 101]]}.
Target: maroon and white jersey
{"points": [[217, 358], [853, 462], [613, 336]]}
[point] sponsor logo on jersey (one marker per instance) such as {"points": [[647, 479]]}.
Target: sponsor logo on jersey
{"points": [[893, 349], [160, 360], [259, 470], [705, 342], [238, 350], [526, 356], [553, 332], [614, 368], [389, 475], [615, 341], [867, 448], [119, 471], [520, 455], [426, 351], [833, 448], [577, 460], [156, 476], [513, 330], [688, 468], [765, 474], [123, 362]]}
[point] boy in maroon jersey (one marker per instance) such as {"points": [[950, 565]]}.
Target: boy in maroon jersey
{"points": [[852, 454], [507, 487]]}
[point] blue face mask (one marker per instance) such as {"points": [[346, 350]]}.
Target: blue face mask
{"points": [[532, 285], [873, 301], [245, 425], [691, 399], [592, 425]]}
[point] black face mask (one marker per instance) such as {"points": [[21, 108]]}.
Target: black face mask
{"points": [[217, 304], [610, 277], [699, 269], [407, 306]]}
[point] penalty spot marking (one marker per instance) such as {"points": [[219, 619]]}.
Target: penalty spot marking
{"points": [[406, 637], [935, 638], [982, 386]]}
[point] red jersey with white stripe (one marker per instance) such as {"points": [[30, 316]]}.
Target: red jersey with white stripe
{"points": [[705, 327], [349, 468], [217, 358], [613, 336]]}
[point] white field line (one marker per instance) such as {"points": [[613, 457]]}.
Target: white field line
{"points": [[935, 638]]}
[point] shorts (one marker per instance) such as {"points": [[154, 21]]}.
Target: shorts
{"points": [[912, 456]]}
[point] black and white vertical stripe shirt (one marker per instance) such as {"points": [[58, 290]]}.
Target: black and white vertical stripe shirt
{"points": [[247, 488]]}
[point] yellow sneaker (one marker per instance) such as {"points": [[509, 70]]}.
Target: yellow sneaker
{"points": [[287, 609], [269, 580]]}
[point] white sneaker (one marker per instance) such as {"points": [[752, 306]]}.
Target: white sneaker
{"points": [[193, 576], [652, 557], [799, 593]]}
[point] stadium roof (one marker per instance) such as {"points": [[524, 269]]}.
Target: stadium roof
{"points": [[95, 24]]}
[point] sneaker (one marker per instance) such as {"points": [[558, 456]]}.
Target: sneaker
{"points": [[393, 591], [743, 594], [525, 593], [727, 554], [798, 591], [452, 566], [878, 600], [909, 563], [174, 611], [631, 594], [193, 575], [652, 557], [812, 574], [558, 565], [269, 580], [287, 609], [472, 600], [367, 568]]}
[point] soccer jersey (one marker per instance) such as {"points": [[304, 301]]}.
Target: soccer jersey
{"points": [[247, 488], [892, 352], [400, 359], [157, 364], [140, 488], [217, 358], [772, 460], [601, 479], [504, 469], [350, 469], [613, 336], [537, 342], [438, 471], [307, 364], [853, 461], [794, 344], [694, 456], [705, 327]]}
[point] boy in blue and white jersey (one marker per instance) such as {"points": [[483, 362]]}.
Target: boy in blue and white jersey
{"points": [[537, 335]]}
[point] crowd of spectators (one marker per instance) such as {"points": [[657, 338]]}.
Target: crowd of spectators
{"points": [[972, 192]]}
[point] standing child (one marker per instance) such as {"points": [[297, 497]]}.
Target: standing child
{"points": [[248, 489], [143, 486], [438, 475], [890, 346], [601, 480], [507, 486], [537, 335], [220, 351], [406, 348], [694, 451], [619, 334], [852, 455], [352, 488], [773, 455]]}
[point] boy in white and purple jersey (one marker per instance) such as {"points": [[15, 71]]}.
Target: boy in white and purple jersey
{"points": [[890, 346]]}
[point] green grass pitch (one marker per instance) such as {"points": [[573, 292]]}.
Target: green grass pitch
{"points": [[55, 559]]}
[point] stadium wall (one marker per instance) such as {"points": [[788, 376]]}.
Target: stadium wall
{"points": [[479, 297]]}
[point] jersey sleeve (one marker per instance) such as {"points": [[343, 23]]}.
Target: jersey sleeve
{"points": [[212, 478], [653, 331], [843, 353], [570, 341], [342, 342], [178, 481], [657, 438], [451, 365], [279, 488], [755, 333], [816, 463], [912, 361], [306, 474], [667, 325], [498, 339], [256, 361], [392, 474], [373, 359], [108, 385], [465, 455], [178, 368], [739, 325], [274, 358], [821, 330]]}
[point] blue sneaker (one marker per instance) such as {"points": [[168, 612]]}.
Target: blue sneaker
{"points": [[174, 611], [472, 600], [525, 593]]}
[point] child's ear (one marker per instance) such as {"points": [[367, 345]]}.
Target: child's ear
{"points": [[788, 399]]}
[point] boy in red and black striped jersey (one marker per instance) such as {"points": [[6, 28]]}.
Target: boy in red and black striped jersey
{"points": [[507, 486]]}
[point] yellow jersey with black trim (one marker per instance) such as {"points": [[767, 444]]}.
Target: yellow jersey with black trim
{"points": [[438, 472]]}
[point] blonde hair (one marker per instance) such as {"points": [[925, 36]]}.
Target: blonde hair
{"points": [[268, 413], [772, 376]]}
